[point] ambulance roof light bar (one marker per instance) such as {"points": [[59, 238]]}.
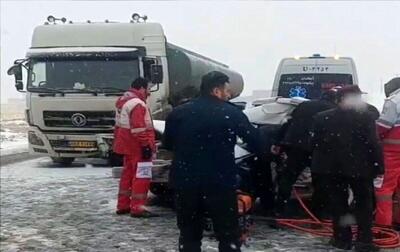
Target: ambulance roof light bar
{"points": [[316, 56]]}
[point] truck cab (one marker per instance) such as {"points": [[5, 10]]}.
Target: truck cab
{"points": [[76, 71], [308, 77]]}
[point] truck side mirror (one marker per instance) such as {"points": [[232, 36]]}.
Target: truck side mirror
{"points": [[156, 74], [16, 70], [19, 86]]}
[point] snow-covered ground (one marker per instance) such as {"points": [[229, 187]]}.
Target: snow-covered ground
{"points": [[13, 137], [50, 208], [13, 110]]}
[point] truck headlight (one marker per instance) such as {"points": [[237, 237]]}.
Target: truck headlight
{"points": [[103, 147], [34, 139]]}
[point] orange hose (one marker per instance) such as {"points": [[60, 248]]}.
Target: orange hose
{"points": [[383, 237]]}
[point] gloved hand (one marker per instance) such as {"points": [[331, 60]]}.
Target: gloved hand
{"points": [[378, 181], [275, 149], [147, 152]]}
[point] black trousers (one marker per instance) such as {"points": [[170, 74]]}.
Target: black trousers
{"points": [[216, 202], [319, 200], [297, 160], [290, 169], [262, 183], [363, 192]]}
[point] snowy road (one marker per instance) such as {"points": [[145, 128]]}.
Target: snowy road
{"points": [[49, 208]]}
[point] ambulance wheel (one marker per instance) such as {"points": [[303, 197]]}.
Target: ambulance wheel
{"points": [[67, 161]]}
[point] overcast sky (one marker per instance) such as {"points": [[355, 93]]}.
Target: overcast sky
{"points": [[251, 37]]}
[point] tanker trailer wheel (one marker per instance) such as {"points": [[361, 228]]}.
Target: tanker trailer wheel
{"points": [[67, 161]]}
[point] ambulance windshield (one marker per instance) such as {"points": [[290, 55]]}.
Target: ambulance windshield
{"points": [[310, 86]]}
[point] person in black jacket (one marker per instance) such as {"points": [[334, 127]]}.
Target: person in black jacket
{"points": [[347, 153], [202, 134], [295, 143]]}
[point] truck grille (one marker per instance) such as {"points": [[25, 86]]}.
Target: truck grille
{"points": [[81, 119]]}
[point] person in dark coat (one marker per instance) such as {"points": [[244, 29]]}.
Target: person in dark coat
{"points": [[202, 134], [373, 111], [347, 153], [296, 144]]}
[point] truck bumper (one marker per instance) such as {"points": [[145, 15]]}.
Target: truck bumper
{"points": [[62, 145]]}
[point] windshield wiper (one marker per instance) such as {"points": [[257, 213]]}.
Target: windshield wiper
{"points": [[119, 90], [49, 90], [83, 90]]}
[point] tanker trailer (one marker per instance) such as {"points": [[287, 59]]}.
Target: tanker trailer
{"points": [[185, 69]]}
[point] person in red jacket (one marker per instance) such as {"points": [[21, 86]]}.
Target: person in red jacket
{"points": [[134, 138], [389, 131]]}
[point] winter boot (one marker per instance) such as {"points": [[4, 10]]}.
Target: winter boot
{"points": [[123, 211], [144, 214]]}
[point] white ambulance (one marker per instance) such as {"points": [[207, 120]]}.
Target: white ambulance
{"points": [[308, 77]]}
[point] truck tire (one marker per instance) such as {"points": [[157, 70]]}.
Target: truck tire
{"points": [[116, 172], [67, 161], [115, 160]]}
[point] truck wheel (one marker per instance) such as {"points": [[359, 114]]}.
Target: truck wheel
{"points": [[115, 160], [67, 161], [116, 172]]}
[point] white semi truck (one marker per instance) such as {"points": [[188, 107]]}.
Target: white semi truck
{"points": [[76, 71]]}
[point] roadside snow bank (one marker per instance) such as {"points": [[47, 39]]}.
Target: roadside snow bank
{"points": [[13, 137]]}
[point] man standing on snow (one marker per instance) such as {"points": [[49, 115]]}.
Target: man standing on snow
{"points": [[202, 134], [389, 131], [134, 138], [347, 154]]}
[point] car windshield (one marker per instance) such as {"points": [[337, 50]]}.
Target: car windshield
{"points": [[310, 85], [105, 74]]}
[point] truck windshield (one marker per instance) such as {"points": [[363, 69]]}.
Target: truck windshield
{"points": [[310, 85], [102, 75]]}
